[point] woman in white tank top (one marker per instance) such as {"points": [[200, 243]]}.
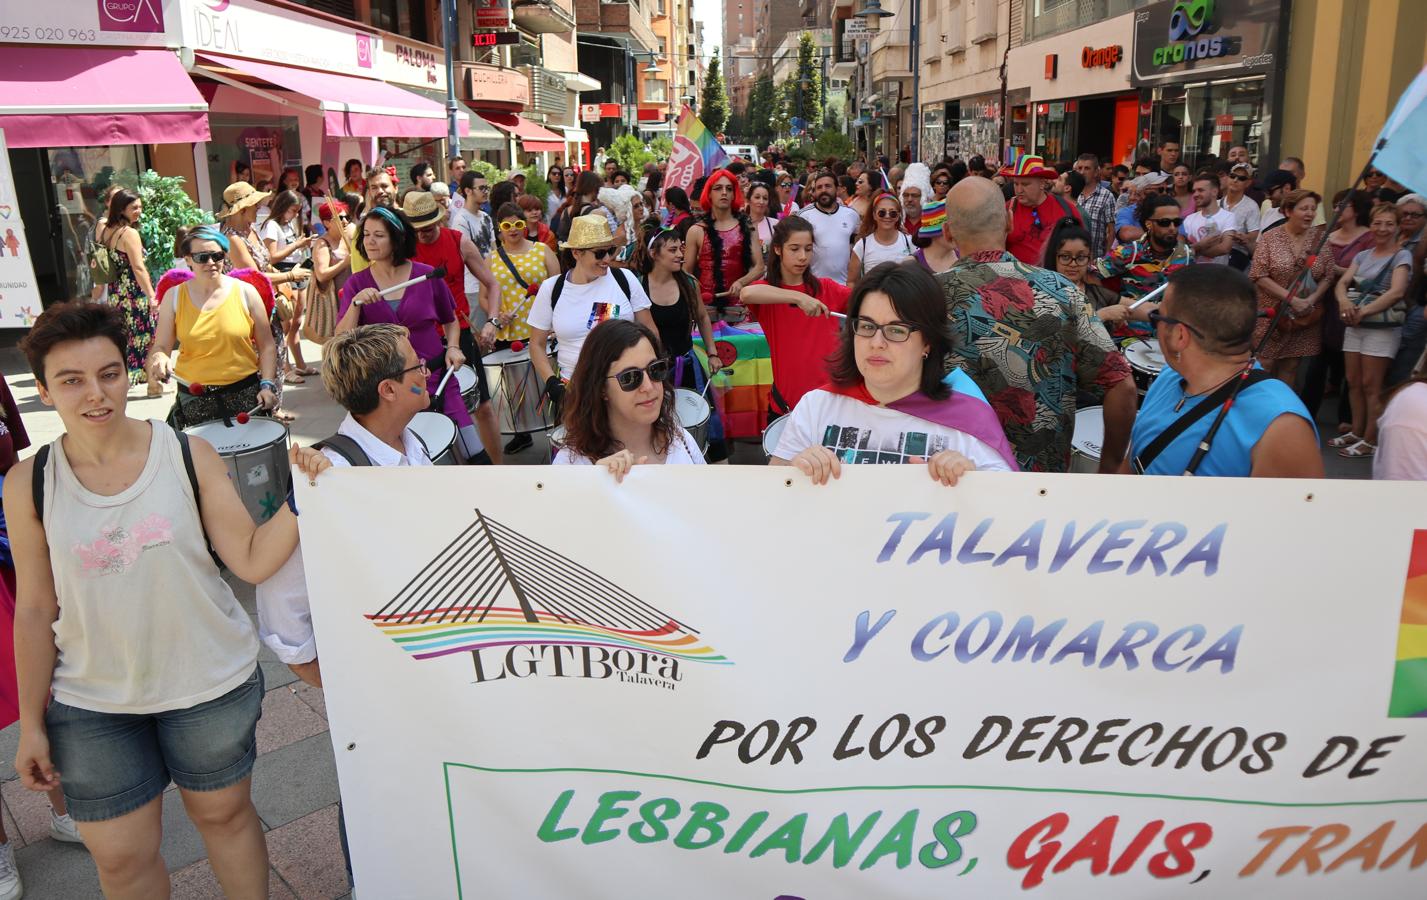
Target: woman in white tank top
{"points": [[882, 239], [122, 614]]}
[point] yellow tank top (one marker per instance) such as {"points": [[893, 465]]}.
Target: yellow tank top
{"points": [[215, 347]]}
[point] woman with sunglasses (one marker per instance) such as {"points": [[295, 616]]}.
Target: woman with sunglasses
{"points": [[222, 327], [886, 401], [787, 195], [331, 267], [881, 238], [941, 182], [621, 409], [555, 178], [519, 263]]}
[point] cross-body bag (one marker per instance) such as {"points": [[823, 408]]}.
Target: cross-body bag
{"points": [[1393, 316], [1142, 460], [103, 262]]}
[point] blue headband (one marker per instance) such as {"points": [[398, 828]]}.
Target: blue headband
{"points": [[207, 233], [390, 218]]}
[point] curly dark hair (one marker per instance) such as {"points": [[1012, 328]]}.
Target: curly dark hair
{"points": [[586, 417], [919, 302]]}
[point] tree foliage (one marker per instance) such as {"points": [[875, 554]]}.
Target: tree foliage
{"points": [[833, 143], [628, 151], [805, 95], [167, 207], [662, 147], [713, 106], [761, 102]]}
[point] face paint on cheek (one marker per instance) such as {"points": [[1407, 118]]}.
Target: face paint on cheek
{"points": [[417, 390]]}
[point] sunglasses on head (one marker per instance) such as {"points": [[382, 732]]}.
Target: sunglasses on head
{"points": [[630, 379], [203, 257], [1168, 223]]}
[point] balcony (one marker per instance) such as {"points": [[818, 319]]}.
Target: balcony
{"points": [[618, 19], [543, 16]]}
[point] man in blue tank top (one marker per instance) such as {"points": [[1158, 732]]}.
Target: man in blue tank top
{"points": [[1205, 328]]}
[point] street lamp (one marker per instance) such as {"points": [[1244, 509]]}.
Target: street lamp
{"points": [[873, 13]]}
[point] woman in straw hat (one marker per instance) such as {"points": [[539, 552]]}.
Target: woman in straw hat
{"points": [[589, 293], [247, 251]]}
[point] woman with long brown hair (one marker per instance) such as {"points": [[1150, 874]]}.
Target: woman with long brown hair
{"points": [[621, 405], [584, 199], [880, 239], [132, 290]]}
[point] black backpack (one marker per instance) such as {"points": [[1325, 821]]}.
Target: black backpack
{"points": [[619, 278], [37, 488], [345, 447]]}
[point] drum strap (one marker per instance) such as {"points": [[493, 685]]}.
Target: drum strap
{"points": [[1142, 461], [37, 487], [515, 273]]}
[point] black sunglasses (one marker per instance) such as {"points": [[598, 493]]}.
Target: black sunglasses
{"points": [[1168, 223], [1156, 317], [203, 257], [1238, 178], [889, 214], [602, 252], [630, 379]]}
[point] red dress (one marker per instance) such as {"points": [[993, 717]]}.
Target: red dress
{"points": [[731, 264]]}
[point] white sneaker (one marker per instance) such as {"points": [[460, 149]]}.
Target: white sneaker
{"points": [[10, 886], [62, 828]]}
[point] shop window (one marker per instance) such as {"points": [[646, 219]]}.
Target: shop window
{"points": [[79, 176], [1211, 118], [655, 90]]}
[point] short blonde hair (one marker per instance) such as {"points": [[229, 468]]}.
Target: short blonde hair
{"points": [[358, 361]]}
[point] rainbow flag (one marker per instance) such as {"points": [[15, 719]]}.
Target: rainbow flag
{"points": [[696, 152], [1409, 683]]}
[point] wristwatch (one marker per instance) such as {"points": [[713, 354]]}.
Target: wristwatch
{"points": [[497, 321]]}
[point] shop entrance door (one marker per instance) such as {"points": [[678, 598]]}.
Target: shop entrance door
{"points": [[1096, 127], [42, 224], [1127, 127]]}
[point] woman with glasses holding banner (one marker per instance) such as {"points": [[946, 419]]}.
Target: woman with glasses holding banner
{"points": [[621, 409], [886, 401]]}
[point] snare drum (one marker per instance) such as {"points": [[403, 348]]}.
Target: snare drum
{"points": [[470, 390], [692, 411], [1145, 363], [772, 434], [1089, 437], [438, 434], [557, 441], [516, 391], [256, 455]]}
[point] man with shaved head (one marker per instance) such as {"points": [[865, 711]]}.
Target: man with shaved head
{"points": [[1023, 334]]}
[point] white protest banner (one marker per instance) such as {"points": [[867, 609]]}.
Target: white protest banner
{"points": [[19, 292], [545, 685]]}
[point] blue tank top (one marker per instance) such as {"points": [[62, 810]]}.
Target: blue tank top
{"points": [[1232, 451]]}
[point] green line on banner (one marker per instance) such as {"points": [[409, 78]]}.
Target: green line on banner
{"points": [[913, 787], [451, 818]]}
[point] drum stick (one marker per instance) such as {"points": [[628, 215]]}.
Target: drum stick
{"points": [[440, 388], [1150, 296], [838, 314], [438, 272]]}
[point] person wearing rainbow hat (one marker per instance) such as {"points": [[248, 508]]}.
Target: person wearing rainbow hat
{"points": [[935, 251], [1034, 210]]}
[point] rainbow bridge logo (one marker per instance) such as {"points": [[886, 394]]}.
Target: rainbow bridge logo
{"points": [[521, 609], [1409, 682]]}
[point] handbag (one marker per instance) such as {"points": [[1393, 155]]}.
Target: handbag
{"points": [[1310, 319], [103, 262], [283, 305], [1393, 316], [320, 324]]}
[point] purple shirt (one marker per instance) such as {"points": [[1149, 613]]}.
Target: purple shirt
{"points": [[424, 308]]}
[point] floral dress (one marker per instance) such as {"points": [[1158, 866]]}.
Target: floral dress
{"points": [[515, 300], [259, 252], [128, 297], [1278, 256]]}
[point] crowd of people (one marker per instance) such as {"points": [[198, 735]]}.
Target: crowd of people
{"points": [[956, 316]]}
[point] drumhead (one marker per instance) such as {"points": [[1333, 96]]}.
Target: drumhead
{"points": [[506, 357], [1089, 434], [436, 431], [772, 434], [466, 379], [557, 438], [236, 438], [1145, 356], [691, 409]]}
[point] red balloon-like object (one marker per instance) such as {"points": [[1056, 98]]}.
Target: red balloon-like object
{"points": [[242, 418], [195, 388], [517, 346]]}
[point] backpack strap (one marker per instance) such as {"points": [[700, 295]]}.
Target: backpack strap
{"points": [[621, 280], [1141, 461], [37, 481], [187, 452], [558, 290], [345, 447], [1065, 209]]}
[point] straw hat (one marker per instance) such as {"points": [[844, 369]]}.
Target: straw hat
{"points": [[422, 209], [239, 196], [591, 232], [1028, 167]]}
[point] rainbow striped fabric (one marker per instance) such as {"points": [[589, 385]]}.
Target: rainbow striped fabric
{"points": [[696, 152], [463, 629], [1409, 683]]}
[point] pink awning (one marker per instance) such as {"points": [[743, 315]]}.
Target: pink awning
{"points": [[94, 97], [533, 138], [351, 107]]}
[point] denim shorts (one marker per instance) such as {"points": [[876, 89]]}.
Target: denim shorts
{"points": [[111, 764]]}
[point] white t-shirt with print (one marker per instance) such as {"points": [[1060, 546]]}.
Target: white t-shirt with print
{"points": [[282, 235], [1199, 227], [581, 308], [860, 433], [832, 239], [684, 451]]}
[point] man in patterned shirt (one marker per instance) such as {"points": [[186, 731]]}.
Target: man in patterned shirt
{"points": [[1143, 265], [1097, 202], [1024, 336]]}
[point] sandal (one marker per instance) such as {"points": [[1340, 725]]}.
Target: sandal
{"points": [[1346, 439], [1360, 450], [307, 370], [292, 377], [283, 416]]}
